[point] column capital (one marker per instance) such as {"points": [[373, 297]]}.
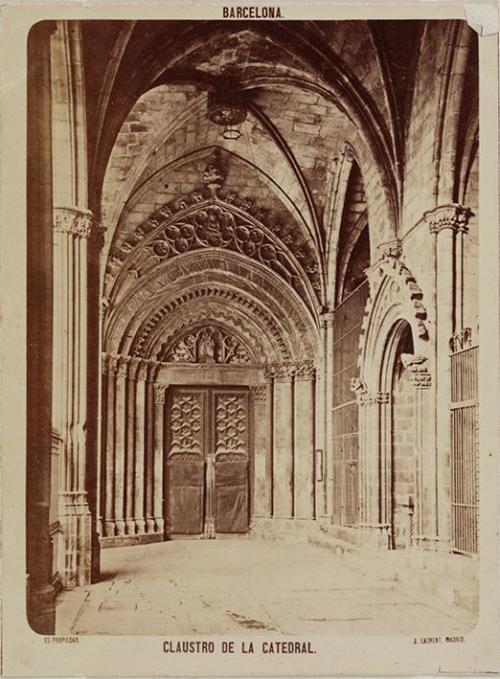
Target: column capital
{"points": [[73, 220], [122, 366], [280, 371], [159, 391], [419, 373], [451, 216], [391, 249], [258, 392], [109, 364], [462, 339], [305, 370], [327, 319]]}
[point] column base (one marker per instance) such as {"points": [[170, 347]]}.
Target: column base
{"points": [[40, 606], [76, 525], [373, 536]]}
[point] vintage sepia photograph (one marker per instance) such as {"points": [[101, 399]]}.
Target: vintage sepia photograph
{"points": [[252, 331]]}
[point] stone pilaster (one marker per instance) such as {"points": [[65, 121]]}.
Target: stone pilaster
{"points": [[304, 423], [72, 227], [447, 225]]}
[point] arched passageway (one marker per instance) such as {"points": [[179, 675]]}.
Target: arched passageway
{"points": [[256, 263]]}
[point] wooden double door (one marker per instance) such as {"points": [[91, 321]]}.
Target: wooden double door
{"points": [[208, 460]]}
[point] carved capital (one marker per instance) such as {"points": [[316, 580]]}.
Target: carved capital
{"points": [[122, 366], [159, 392], [284, 371], [305, 370], [452, 216], [327, 319], [142, 371], [461, 339], [258, 393], [73, 220], [419, 373], [393, 248]]}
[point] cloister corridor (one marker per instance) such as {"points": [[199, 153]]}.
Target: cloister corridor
{"points": [[248, 586]]}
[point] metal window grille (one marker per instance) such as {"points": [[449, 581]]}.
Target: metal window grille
{"points": [[464, 454], [347, 321]]}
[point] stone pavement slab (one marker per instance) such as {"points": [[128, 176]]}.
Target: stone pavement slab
{"points": [[244, 586]]}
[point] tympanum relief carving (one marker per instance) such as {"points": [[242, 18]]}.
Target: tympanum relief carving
{"points": [[208, 344]]}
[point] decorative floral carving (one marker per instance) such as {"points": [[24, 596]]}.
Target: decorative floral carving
{"points": [[214, 224], [159, 393], [186, 433], [451, 216], [73, 220], [206, 345], [305, 369], [258, 392], [231, 425]]}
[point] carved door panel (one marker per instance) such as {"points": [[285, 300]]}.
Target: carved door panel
{"points": [[230, 450], [208, 461], [186, 446]]}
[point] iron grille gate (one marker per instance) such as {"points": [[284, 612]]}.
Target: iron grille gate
{"points": [[347, 321], [464, 458]]}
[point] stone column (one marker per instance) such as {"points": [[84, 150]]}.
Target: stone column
{"points": [[261, 480], [110, 368], [39, 557], [149, 451], [327, 484], [120, 443], [71, 230], [158, 499], [130, 447], [444, 223], [140, 448], [283, 434], [304, 421]]}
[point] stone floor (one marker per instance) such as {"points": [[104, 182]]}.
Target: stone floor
{"points": [[244, 586]]}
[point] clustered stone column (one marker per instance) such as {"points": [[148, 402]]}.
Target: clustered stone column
{"points": [[132, 468], [293, 439], [448, 224], [72, 228]]}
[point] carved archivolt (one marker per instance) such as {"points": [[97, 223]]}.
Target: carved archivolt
{"points": [[392, 284], [207, 344], [212, 224], [142, 341]]}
